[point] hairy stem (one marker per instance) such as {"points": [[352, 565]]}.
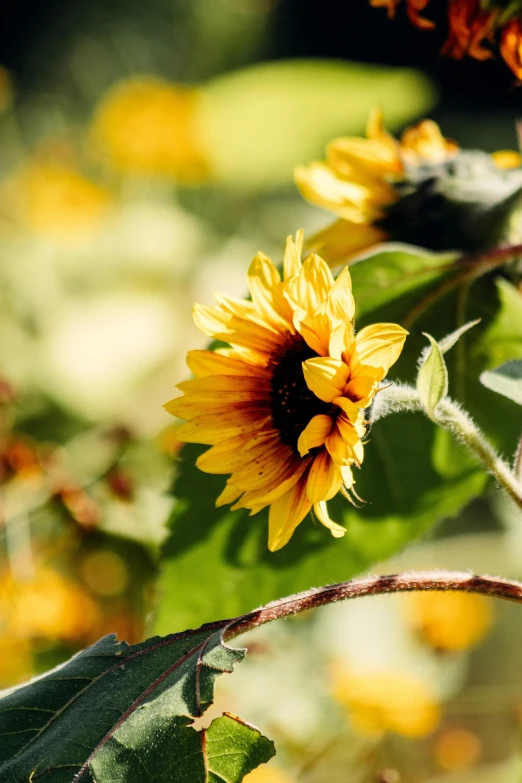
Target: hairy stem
{"points": [[375, 585], [453, 418]]}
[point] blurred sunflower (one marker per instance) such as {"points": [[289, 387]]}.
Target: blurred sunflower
{"points": [[448, 622], [47, 606], [386, 700], [420, 189], [146, 126], [283, 409], [472, 24], [55, 201]]}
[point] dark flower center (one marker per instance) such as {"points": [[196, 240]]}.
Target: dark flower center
{"points": [[293, 404]]}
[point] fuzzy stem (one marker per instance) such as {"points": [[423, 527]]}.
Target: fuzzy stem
{"points": [[517, 466], [452, 417], [375, 585]]}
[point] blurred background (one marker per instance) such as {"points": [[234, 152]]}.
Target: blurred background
{"points": [[146, 154]]}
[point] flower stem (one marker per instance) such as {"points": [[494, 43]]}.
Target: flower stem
{"points": [[452, 417], [375, 585], [474, 266]]}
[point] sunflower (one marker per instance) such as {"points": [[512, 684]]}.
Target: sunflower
{"points": [[283, 408], [421, 188], [473, 26]]}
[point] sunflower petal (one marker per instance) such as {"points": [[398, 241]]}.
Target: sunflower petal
{"points": [[379, 346], [314, 434], [324, 478], [326, 377], [322, 515], [286, 513]]}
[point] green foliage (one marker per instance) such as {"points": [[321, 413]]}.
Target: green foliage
{"points": [[116, 712], [506, 380], [252, 120]]}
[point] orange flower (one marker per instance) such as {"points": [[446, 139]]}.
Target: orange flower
{"points": [[470, 25], [413, 9], [511, 46]]}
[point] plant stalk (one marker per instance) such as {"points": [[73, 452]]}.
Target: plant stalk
{"points": [[375, 585]]}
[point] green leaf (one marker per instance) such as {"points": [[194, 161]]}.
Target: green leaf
{"points": [[506, 380], [116, 712], [449, 341], [217, 560], [432, 380], [251, 120]]}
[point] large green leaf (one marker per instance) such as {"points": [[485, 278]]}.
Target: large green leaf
{"points": [[217, 560], [116, 712], [260, 122]]}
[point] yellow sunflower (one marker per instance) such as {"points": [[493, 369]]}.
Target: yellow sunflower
{"points": [[413, 189], [283, 408]]}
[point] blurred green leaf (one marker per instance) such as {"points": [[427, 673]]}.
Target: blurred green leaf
{"points": [[260, 122], [140, 700], [506, 380]]}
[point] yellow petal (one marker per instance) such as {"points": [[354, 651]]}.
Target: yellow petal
{"points": [[258, 498], [286, 513], [338, 449], [361, 389], [212, 428], [379, 346], [314, 434], [350, 408], [341, 304], [322, 515], [229, 495], [324, 478], [507, 159], [292, 259], [224, 385], [267, 294], [320, 185], [325, 377], [203, 363], [351, 438], [215, 322], [233, 453], [347, 476], [344, 240]]}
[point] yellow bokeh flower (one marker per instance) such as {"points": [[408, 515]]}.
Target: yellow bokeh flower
{"points": [[55, 201], [268, 774], [410, 189], [386, 700], [450, 621], [146, 126], [47, 606], [16, 663], [283, 409]]}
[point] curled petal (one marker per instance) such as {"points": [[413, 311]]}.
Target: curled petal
{"points": [[379, 346], [326, 377], [314, 434], [324, 518]]}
